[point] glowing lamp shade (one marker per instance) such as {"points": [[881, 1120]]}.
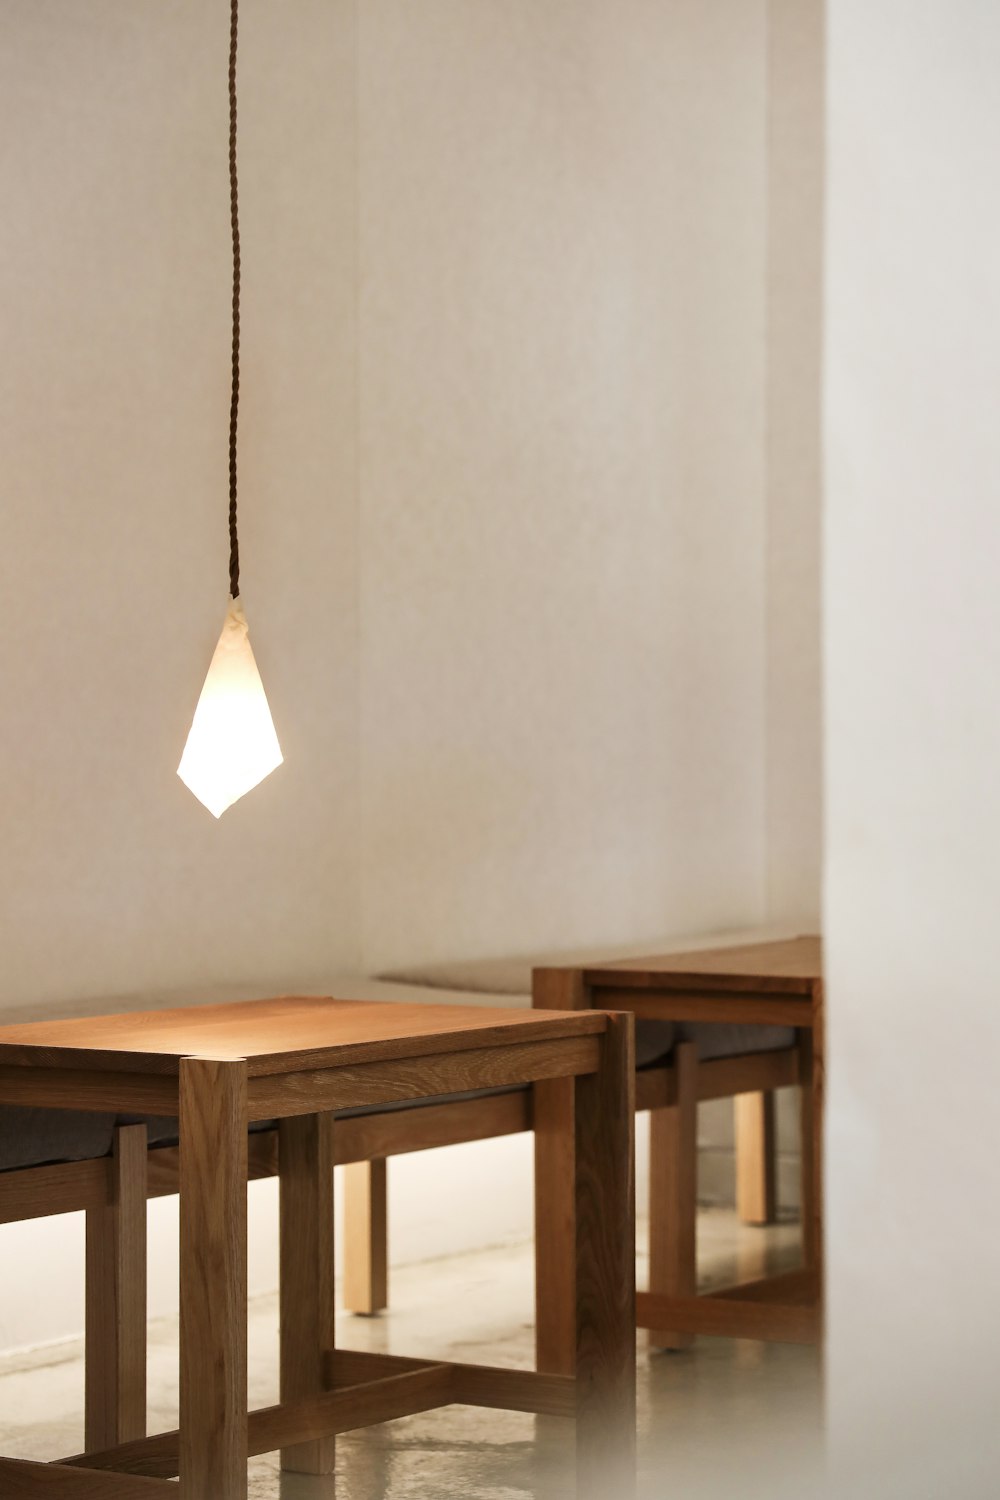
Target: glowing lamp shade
{"points": [[232, 745]]}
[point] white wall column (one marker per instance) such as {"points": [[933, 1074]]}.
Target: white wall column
{"points": [[913, 745]]}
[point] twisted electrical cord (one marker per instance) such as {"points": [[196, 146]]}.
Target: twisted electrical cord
{"points": [[234, 405]]}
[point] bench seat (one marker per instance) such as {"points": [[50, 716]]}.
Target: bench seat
{"points": [[42, 1137]]}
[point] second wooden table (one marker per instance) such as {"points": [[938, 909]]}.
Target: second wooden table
{"points": [[759, 984]]}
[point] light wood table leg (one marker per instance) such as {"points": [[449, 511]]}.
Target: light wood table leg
{"points": [[756, 1184], [673, 1194], [213, 1274], [116, 1301], [308, 1309], [366, 1237], [605, 1268]]}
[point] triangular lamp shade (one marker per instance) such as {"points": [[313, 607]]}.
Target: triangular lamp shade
{"points": [[232, 745]]}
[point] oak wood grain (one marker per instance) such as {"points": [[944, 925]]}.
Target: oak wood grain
{"points": [[289, 1034], [213, 1280], [730, 1317], [501, 1065], [356, 1139], [720, 1078], [756, 1161], [605, 1268], [20, 1480], [512, 1390], [349, 1367], [555, 1205], [307, 1321], [789, 966], [165, 1163], [37, 1085], [737, 1006], [64, 1188], [799, 1287], [468, 1384], [726, 1077], [673, 1194], [290, 1424], [392, 1387], [366, 1237], [115, 1364], [397, 1133]]}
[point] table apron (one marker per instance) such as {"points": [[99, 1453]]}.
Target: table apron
{"points": [[373, 1084], [742, 1008], [101, 1091], [311, 1091]]}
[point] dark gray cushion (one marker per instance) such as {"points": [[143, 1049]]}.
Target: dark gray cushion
{"points": [[654, 1043], [40, 1137], [162, 1131], [36, 1137], [654, 1040], [731, 1039]]}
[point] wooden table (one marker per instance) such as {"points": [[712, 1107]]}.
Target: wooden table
{"points": [[765, 983], [298, 1059]]}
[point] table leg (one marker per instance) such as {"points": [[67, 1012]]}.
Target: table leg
{"points": [[756, 1158], [605, 1268], [213, 1277], [552, 1123], [366, 1237], [308, 1309], [673, 1194], [555, 1302], [116, 1301]]}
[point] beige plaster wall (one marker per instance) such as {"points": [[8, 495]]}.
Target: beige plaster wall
{"points": [[563, 565], [114, 291]]}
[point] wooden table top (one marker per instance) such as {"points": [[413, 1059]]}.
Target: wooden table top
{"points": [[282, 1035], [789, 966]]}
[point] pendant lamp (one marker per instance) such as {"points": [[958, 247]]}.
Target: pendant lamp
{"points": [[232, 745]]}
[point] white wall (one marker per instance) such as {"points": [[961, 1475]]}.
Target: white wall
{"points": [[913, 744], [562, 472], [114, 291]]}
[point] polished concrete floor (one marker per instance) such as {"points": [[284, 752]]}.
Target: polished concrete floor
{"points": [[724, 1418]]}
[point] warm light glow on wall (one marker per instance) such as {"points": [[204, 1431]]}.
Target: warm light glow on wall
{"points": [[232, 745]]}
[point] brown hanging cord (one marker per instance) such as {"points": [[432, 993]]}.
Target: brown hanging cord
{"points": [[234, 544]]}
